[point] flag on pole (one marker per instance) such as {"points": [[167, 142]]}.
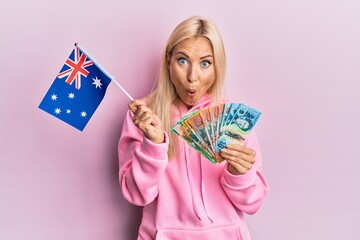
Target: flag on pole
{"points": [[77, 90]]}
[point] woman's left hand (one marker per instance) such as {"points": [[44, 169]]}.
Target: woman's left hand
{"points": [[240, 158]]}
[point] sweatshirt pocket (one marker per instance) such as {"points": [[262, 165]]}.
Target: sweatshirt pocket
{"points": [[232, 232]]}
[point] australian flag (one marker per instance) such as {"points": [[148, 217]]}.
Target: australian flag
{"points": [[77, 90]]}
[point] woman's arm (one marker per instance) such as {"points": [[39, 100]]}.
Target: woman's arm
{"points": [[246, 190], [142, 163]]}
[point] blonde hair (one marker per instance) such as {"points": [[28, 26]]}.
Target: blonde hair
{"points": [[164, 95]]}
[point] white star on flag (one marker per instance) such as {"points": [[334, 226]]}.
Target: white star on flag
{"points": [[71, 95], [97, 82], [53, 97]]}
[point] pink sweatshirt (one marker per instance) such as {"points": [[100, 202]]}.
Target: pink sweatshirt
{"points": [[187, 197]]}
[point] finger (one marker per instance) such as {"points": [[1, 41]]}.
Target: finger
{"points": [[156, 121], [144, 123], [147, 119], [243, 149], [140, 115], [244, 156], [235, 155], [240, 162], [244, 160], [133, 105], [152, 132], [140, 111]]}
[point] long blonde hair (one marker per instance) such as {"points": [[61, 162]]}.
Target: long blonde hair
{"points": [[164, 94]]}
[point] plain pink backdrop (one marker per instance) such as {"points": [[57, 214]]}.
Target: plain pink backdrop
{"points": [[296, 61]]}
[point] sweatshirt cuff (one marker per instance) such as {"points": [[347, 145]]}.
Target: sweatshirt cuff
{"points": [[239, 180], [155, 150]]}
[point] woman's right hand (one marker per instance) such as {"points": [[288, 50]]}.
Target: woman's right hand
{"points": [[148, 122]]}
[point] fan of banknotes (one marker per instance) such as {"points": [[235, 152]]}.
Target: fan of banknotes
{"points": [[210, 129]]}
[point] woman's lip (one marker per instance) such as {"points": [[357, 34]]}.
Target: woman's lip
{"points": [[191, 92]]}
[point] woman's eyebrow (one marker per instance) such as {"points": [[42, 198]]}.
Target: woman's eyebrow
{"points": [[206, 56], [183, 54]]}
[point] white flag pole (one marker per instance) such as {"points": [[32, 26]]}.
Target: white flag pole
{"points": [[103, 70], [127, 94]]}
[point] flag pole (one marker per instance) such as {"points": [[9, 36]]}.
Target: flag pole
{"points": [[106, 73]]}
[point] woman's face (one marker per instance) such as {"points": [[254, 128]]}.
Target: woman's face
{"points": [[192, 70]]}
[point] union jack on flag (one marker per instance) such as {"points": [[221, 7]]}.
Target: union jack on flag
{"points": [[77, 90], [77, 68]]}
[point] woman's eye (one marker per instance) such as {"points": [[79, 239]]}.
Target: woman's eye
{"points": [[205, 64], [182, 61]]}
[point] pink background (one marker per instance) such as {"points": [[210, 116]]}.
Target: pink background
{"points": [[297, 61]]}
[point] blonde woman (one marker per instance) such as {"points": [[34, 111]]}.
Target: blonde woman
{"points": [[184, 195]]}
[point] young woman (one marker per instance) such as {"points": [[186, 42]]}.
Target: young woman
{"points": [[184, 195]]}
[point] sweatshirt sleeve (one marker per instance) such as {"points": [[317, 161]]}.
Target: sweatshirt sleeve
{"points": [[142, 164], [247, 191]]}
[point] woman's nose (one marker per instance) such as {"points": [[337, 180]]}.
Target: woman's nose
{"points": [[192, 75]]}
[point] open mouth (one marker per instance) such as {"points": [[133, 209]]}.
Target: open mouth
{"points": [[191, 92]]}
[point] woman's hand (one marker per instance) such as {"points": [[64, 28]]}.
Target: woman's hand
{"points": [[147, 121], [240, 158]]}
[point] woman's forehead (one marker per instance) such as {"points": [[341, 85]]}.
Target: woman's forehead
{"points": [[199, 44]]}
